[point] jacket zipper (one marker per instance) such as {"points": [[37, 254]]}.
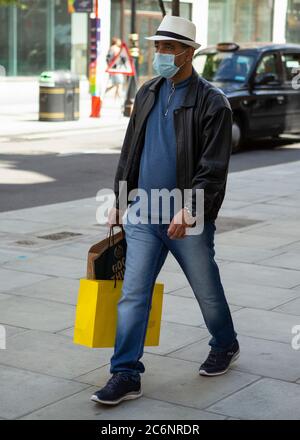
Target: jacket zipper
{"points": [[185, 157]]}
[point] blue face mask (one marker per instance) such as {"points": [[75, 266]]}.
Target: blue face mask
{"points": [[164, 64]]}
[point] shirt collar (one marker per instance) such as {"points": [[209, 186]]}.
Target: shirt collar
{"points": [[190, 97]]}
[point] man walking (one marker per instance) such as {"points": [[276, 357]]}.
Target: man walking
{"points": [[178, 136]]}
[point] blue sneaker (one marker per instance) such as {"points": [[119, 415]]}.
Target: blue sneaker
{"points": [[121, 386]]}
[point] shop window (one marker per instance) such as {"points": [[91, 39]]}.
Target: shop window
{"points": [[293, 22], [32, 37], [148, 18], [62, 35], [3, 41], [240, 20]]}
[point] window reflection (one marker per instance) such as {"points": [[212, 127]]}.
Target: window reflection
{"points": [[293, 22], [148, 18], [32, 42], [3, 40], [240, 20]]}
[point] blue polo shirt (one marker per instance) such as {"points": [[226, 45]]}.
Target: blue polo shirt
{"points": [[158, 160]]}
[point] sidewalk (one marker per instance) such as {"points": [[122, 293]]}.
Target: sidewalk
{"points": [[260, 269], [19, 108]]}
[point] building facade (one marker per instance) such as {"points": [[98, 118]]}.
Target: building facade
{"points": [[42, 35], [45, 36]]}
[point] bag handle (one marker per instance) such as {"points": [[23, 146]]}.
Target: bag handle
{"points": [[110, 233]]}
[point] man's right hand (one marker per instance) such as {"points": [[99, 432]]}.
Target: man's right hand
{"points": [[114, 217]]}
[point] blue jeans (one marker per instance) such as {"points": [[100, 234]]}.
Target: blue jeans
{"points": [[147, 249]]}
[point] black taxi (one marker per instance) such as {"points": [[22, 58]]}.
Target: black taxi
{"points": [[262, 83]]}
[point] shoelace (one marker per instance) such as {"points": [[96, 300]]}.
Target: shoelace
{"points": [[116, 378], [214, 356]]}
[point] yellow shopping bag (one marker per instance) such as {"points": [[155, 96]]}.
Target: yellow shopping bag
{"points": [[96, 313]]}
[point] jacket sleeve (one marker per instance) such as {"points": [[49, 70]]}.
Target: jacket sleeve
{"points": [[124, 153], [212, 167]]}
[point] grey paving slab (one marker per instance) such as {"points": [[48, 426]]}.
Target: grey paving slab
{"points": [[259, 357], [77, 249], [171, 264], [172, 337], [292, 307], [9, 255], [56, 212], [37, 391], [264, 211], [183, 310], [176, 335], [12, 331], [51, 265], [183, 291], [12, 279], [30, 313], [244, 254], [248, 295], [274, 228], [79, 407], [230, 203], [53, 354], [258, 274], [178, 381], [256, 295], [69, 332], [267, 399], [292, 247], [287, 200], [171, 280], [64, 290], [4, 296], [26, 244], [288, 260], [264, 324], [22, 225], [256, 241]]}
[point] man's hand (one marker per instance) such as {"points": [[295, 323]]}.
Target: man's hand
{"points": [[178, 225], [114, 217]]}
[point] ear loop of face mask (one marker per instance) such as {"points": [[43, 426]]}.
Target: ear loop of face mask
{"points": [[181, 54]]}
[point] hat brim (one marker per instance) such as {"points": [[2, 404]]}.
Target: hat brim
{"points": [[162, 37]]}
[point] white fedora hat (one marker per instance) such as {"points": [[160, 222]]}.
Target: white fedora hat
{"points": [[176, 29]]}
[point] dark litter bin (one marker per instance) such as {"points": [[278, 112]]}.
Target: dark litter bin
{"points": [[59, 96]]}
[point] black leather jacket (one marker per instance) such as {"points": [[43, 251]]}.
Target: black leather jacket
{"points": [[203, 126]]}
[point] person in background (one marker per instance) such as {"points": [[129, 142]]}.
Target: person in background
{"points": [[117, 79]]}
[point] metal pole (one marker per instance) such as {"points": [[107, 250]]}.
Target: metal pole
{"points": [[13, 41], [134, 51], [133, 16], [122, 15], [94, 64], [162, 7], [176, 7]]}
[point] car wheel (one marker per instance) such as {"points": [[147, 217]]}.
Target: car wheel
{"points": [[237, 135]]}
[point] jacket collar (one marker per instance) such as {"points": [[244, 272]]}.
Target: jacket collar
{"points": [[191, 95]]}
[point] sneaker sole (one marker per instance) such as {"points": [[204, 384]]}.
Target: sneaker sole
{"points": [[129, 396], [204, 373]]}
